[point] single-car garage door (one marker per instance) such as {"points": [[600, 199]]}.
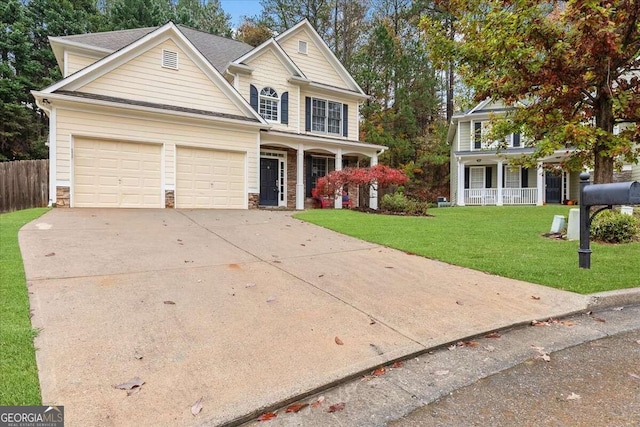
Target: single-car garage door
{"points": [[210, 179], [116, 174]]}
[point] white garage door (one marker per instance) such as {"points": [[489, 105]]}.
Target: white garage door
{"points": [[210, 179], [116, 174]]}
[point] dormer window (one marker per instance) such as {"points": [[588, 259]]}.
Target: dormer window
{"points": [[302, 46], [269, 104], [169, 59]]}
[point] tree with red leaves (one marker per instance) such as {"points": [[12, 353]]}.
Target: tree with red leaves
{"points": [[570, 70], [376, 177]]}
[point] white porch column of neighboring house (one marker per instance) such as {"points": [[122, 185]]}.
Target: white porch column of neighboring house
{"points": [[460, 195], [300, 178], [338, 200], [373, 193], [500, 181], [540, 184]]}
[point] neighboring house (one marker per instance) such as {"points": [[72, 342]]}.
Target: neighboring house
{"points": [[482, 175], [174, 117]]}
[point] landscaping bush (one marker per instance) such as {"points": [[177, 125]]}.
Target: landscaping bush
{"points": [[399, 203], [615, 227]]}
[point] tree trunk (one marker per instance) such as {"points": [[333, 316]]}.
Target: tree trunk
{"points": [[603, 162]]}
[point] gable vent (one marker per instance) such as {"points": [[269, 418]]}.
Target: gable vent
{"points": [[170, 59], [302, 46]]}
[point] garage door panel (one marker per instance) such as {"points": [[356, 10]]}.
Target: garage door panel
{"points": [[116, 174], [205, 179]]}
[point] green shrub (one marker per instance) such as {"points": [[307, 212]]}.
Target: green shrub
{"points": [[615, 227], [399, 203]]}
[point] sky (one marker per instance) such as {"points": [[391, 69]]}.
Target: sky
{"points": [[239, 8]]}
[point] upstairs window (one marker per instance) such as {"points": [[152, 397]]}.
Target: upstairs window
{"points": [[302, 46], [269, 104], [326, 116]]}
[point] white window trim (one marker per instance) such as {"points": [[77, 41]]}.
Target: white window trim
{"points": [[507, 170], [326, 117], [165, 53], [279, 103], [484, 177]]}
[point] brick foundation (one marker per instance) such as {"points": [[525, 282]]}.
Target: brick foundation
{"points": [[254, 200], [169, 199], [63, 197]]}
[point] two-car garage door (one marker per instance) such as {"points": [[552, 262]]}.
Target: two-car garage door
{"points": [[110, 173]]}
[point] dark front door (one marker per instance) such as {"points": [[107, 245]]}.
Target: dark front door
{"points": [[553, 183], [269, 182]]}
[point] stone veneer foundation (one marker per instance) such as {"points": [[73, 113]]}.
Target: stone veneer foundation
{"points": [[169, 199], [254, 200], [63, 197]]}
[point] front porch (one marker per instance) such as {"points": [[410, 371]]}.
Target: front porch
{"points": [[486, 181], [291, 164]]}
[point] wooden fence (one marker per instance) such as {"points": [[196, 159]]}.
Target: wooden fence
{"points": [[24, 184]]}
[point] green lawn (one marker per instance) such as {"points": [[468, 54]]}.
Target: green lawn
{"points": [[18, 372], [505, 241]]}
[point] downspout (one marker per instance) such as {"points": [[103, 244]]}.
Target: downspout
{"points": [[45, 106]]}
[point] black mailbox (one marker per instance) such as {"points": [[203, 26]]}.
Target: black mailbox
{"points": [[605, 195], [619, 193]]}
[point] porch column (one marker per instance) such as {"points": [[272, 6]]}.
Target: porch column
{"points": [[540, 184], [460, 194], [500, 181], [300, 178], [338, 200], [373, 193]]}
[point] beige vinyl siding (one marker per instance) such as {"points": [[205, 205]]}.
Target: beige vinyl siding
{"points": [[313, 64], [108, 124], [635, 172], [465, 137], [353, 113], [143, 78], [270, 72], [76, 62]]}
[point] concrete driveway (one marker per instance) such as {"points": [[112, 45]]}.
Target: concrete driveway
{"points": [[240, 308]]}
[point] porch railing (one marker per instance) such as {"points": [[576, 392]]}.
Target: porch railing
{"points": [[510, 196]]}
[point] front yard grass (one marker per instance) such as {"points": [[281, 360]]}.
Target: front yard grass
{"points": [[506, 241], [18, 370]]}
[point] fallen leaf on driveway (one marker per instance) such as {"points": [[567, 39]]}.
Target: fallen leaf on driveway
{"points": [[276, 261], [271, 298], [197, 407], [338, 341], [318, 402], [50, 254], [598, 319], [170, 303], [388, 267], [372, 322], [452, 347], [574, 396], [618, 309], [249, 285], [492, 335], [187, 261], [441, 373], [632, 375], [398, 364], [567, 323], [538, 323], [545, 357], [296, 407], [459, 303], [489, 348], [533, 297], [267, 416], [467, 344], [378, 372], [132, 386], [336, 408]]}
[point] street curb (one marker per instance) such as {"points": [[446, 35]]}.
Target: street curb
{"points": [[615, 298]]}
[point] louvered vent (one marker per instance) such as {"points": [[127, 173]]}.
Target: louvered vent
{"points": [[302, 46], [170, 59]]}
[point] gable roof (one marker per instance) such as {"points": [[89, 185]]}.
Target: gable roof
{"points": [[280, 54], [324, 49], [169, 30], [219, 51]]}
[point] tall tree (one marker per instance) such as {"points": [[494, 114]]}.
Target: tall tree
{"points": [[569, 69], [254, 31], [284, 14], [128, 14], [206, 16]]}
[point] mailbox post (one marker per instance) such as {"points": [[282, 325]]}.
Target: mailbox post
{"points": [[604, 195], [584, 252]]}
